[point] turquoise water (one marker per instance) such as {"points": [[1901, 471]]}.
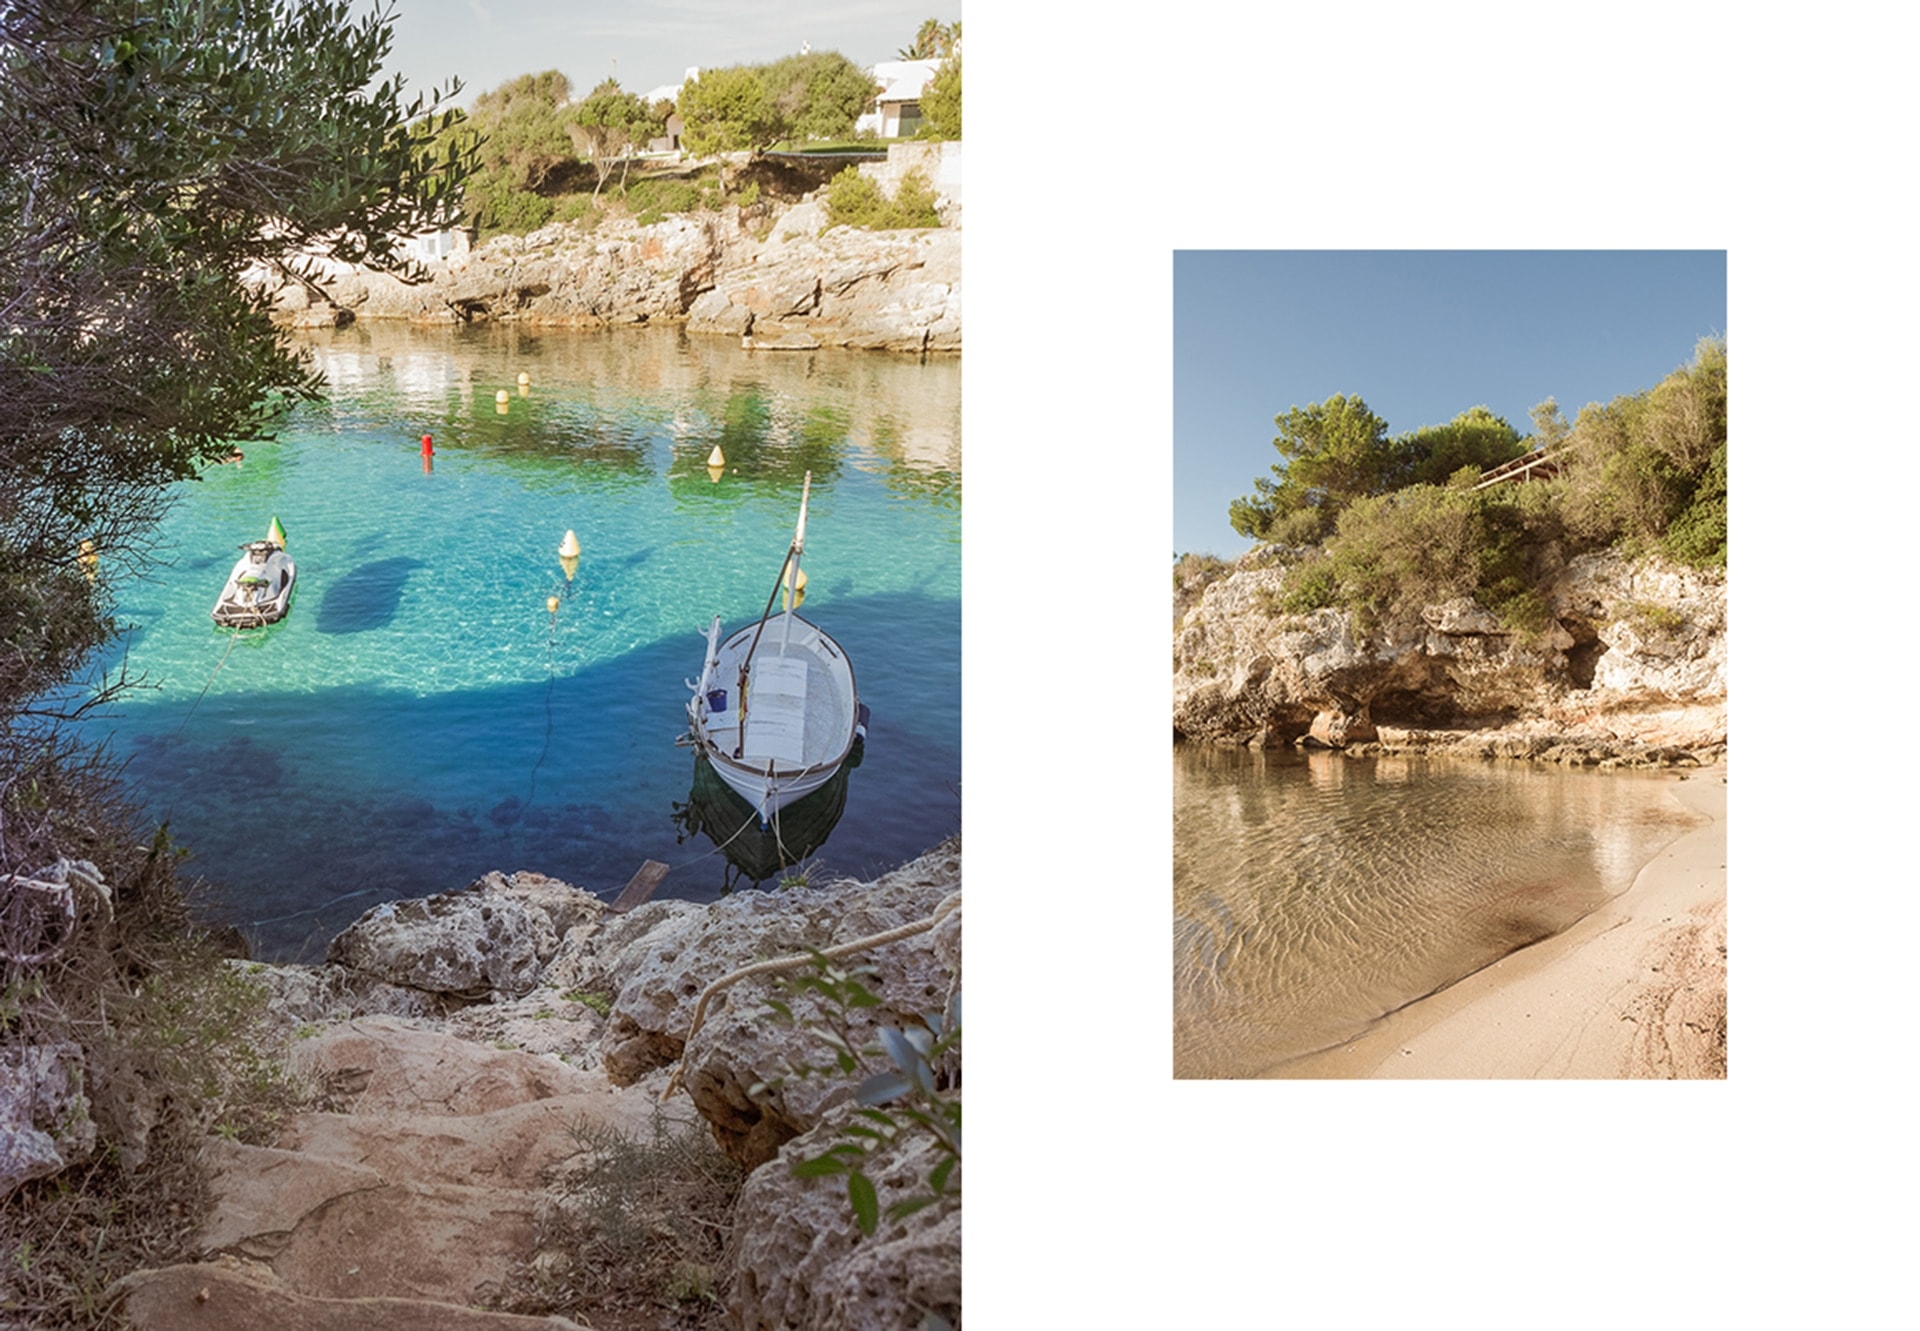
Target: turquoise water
{"points": [[421, 718]]}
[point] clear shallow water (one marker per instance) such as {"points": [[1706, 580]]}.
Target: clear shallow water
{"points": [[1314, 894], [420, 718]]}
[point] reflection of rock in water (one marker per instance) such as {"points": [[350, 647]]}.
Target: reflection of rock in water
{"points": [[715, 811]]}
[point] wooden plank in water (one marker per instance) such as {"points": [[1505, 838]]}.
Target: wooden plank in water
{"points": [[640, 886]]}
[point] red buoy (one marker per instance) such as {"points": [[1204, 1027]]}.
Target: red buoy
{"points": [[426, 445]]}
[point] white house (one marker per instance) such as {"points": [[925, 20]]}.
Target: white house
{"points": [[897, 113]]}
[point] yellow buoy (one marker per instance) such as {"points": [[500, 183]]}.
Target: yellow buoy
{"points": [[500, 400], [525, 378], [716, 458], [569, 554], [796, 591], [553, 605]]}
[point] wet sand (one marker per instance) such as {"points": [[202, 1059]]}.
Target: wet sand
{"points": [[1636, 989]]}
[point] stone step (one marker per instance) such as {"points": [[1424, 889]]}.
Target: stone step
{"points": [[412, 1200], [233, 1295]]}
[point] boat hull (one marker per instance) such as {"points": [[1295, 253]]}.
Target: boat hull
{"points": [[790, 728], [760, 851]]}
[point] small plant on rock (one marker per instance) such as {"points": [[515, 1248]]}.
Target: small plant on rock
{"points": [[902, 1092]]}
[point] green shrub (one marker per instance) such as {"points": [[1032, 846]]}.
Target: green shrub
{"points": [[1192, 573], [495, 205], [1699, 535], [652, 200], [914, 201], [1641, 463], [1311, 585], [1644, 472], [855, 199], [1306, 526], [1650, 618]]}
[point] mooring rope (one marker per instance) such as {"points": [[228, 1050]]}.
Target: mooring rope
{"points": [[232, 639], [947, 906], [533, 777]]}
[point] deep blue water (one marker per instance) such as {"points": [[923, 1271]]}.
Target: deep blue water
{"points": [[421, 718]]}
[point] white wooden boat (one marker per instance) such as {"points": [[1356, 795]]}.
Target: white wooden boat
{"points": [[260, 588], [776, 710]]}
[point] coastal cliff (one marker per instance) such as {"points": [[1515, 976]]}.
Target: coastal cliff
{"points": [[775, 275], [514, 1102], [1630, 669]]}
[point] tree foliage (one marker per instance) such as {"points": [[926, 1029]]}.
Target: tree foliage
{"points": [[817, 95], [933, 40], [157, 150], [523, 134], [747, 108], [611, 125], [1391, 534], [1331, 453], [1650, 469], [727, 110], [940, 103], [1475, 439], [1336, 452]]}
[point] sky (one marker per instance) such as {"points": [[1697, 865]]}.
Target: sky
{"points": [[1420, 335], [645, 44]]}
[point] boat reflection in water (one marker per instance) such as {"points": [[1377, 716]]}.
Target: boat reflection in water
{"points": [[755, 852]]}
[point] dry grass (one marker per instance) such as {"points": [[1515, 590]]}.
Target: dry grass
{"points": [[172, 1040], [634, 1239]]}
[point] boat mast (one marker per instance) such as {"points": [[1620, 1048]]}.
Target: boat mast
{"points": [[791, 561]]}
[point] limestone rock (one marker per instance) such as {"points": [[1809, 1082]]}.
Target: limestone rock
{"points": [[492, 937], [427, 1180], [237, 1295], [1625, 640], [740, 1044], [303, 997], [714, 312], [383, 1063], [798, 1259], [45, 1118], [724, 273]]}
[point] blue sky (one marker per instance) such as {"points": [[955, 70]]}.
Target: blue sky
{"points": [[643, 43], [1421, 335]]}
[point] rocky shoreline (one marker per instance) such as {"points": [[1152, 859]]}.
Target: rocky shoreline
{"points": [[470, 1053], [1629, 671], [772, 274]]}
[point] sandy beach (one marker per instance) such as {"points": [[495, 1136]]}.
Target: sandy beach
{"points": [[1637, 989]]}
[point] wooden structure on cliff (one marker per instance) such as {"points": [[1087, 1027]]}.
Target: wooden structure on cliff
{"points": [[1540, 465]]}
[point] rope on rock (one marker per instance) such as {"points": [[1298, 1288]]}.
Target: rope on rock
{"points": [[947, 906]]}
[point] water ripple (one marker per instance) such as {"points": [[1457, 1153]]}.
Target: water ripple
{"points": [[1315, 894]]}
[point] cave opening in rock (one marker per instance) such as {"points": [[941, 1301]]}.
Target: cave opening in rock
{"points": [[1583, 658]]}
